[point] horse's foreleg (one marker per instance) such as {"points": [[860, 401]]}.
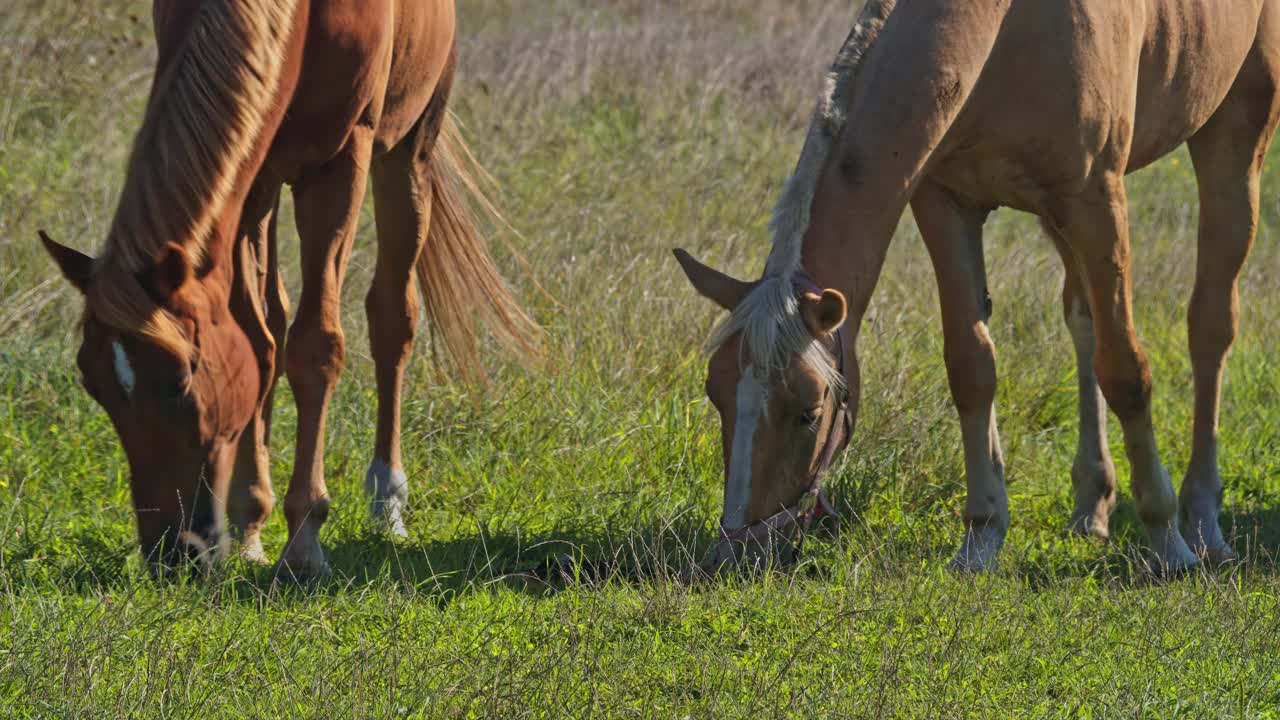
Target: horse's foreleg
{"points": [[1093, 474], [1227, 154], [953, 233], [327, 209], [1095, 227], [257, 310]]}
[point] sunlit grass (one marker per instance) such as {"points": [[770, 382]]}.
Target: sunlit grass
{"points": [[619, 130]]}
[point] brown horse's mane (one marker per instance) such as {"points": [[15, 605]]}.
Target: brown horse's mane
{"points": [[769, 316], [205, 114]]}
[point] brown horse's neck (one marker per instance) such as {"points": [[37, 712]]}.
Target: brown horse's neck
{"points": [[217, 86], [220, 263]]}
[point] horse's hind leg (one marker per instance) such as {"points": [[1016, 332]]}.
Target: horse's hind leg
{"points": [[1093, 475], [953, 234], [402, 197], [1095, 227], [1228, 154]]}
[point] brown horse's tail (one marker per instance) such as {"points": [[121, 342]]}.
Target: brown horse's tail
{"points": [[459, 282]]}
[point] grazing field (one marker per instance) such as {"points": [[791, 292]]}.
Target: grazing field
{"points": [[618, 129]]}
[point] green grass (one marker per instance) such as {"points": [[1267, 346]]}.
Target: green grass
{"points": [[618, 130]]}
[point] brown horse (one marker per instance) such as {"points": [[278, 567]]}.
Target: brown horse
{"points": [[185, 315], [1040, 105]]}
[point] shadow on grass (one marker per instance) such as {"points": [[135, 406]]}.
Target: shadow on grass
{"points": [[544, 563], [1125, 561], [1255, 534], [439, 569], [594, 555]]}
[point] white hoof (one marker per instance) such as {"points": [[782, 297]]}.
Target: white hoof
{"points": [[1204, 536], [978, 553], [303, 558], [251, 550], [1170, 554], [387, 489], [301, 569]]}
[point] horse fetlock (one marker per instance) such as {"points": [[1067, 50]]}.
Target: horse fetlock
{"points": [[987, 509], [249, 505], [1094, 479], [300, 508], [1094, 485], [1200, 505], [1155, 501]]}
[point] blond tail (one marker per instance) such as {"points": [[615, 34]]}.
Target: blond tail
{"points": [[459, 282]]}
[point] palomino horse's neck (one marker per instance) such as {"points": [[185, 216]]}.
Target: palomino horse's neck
{"points": [[898, 114], [791, 214], [769, 317]]}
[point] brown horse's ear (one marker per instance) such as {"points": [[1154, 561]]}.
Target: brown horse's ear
{"points": [[823, 313], [171, 271], [76, 267], [713, 284]]}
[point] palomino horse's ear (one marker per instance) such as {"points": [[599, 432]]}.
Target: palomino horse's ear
{"points": [[75, 265], [823, 313], [171, 271], [713, 284]]}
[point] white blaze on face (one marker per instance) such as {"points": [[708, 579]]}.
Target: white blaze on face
{"points": [[124, 371], [750, 411]]}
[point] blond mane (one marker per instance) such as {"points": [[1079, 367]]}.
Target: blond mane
{"points": [[769, 317], [205, 116]]}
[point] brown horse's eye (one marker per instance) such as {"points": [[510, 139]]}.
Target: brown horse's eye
{"points": [[178, 389], [808, 418]]}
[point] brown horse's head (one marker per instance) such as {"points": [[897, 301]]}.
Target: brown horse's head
{"points": [[779, 404], [179, 388]]}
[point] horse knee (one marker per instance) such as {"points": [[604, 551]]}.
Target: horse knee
{"points": [[314, 355], [301, 506]]}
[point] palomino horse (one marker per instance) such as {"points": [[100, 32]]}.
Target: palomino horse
{"points": [[959, 107], [185, 315]]}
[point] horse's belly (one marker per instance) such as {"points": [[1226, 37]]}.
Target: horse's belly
{"points": [[993, 177], [1190, 57], [1052, 108]]}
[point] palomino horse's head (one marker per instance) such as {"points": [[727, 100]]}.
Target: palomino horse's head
{"points": [[783, 414], [179, 388]]}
